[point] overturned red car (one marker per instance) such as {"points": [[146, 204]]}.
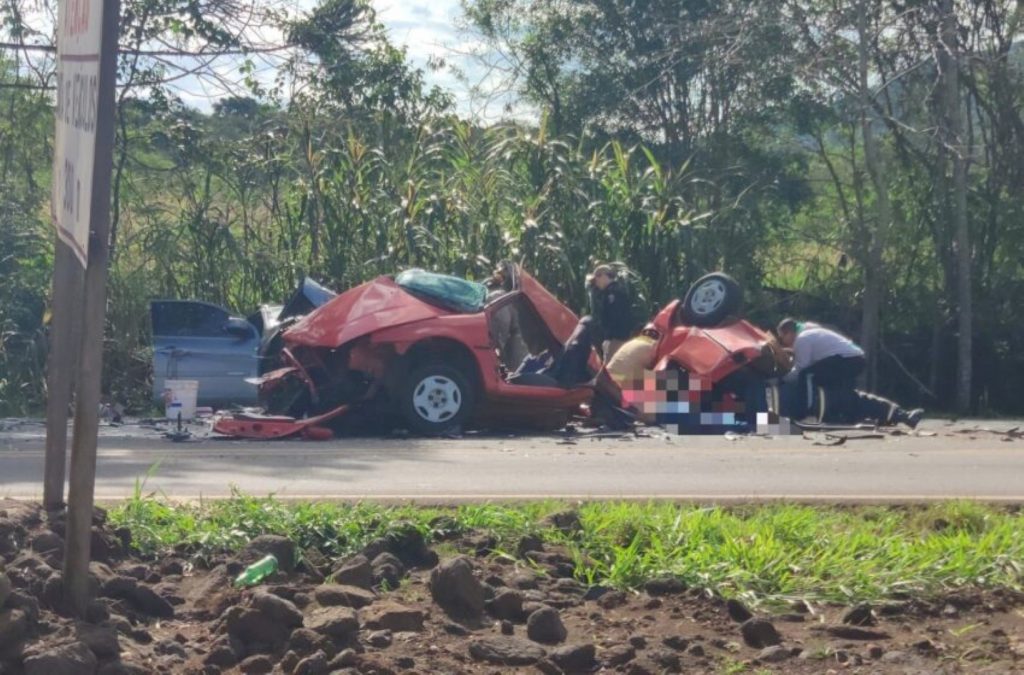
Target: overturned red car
{"points": [[428, 352], [705, 369]]}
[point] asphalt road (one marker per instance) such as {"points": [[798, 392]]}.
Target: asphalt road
{"points": [[972, 459]]}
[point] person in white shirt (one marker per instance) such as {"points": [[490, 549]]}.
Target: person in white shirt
{"points": [[825, 358]]}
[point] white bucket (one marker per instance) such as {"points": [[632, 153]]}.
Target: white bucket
{"points": [[180, 398]]}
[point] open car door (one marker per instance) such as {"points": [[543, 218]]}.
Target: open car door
{"points": [[194, 340]]}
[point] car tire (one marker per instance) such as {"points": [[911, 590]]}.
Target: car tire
{"points": [[436, 399], [711, 299]]}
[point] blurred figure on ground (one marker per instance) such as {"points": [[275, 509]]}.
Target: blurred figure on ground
{"points": [[825, 358]]}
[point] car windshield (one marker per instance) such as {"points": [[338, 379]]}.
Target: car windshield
{"points": [[444, 290]]}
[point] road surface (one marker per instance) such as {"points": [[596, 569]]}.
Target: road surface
{"points": [[973, 459]]}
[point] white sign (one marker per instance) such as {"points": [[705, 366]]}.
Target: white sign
{"points": [[79, 38]]}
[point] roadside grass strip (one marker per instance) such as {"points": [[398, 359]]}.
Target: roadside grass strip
{"points": [[762, 554]]}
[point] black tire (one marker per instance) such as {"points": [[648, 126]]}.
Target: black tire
{"points": [[711, 299], [436, 399]]}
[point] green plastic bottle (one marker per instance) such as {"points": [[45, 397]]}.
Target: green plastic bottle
{"points": [[256, 572]]}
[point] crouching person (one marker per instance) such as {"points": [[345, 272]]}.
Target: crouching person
{"points": [[827, 359]]}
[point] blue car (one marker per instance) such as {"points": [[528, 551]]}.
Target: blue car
{"points": [[196, 340]]}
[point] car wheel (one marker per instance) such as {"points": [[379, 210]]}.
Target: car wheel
{"points": [[711, 299], [436, 399]]}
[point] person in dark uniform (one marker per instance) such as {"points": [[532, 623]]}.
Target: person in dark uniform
{"points": [[611, 306], [825, 358]]}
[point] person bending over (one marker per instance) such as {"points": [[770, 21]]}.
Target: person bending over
{"points": [[825, 358]]}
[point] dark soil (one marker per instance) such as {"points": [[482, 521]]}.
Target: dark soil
{"points": [[476, 613]]}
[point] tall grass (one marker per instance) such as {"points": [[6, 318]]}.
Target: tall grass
{"points": [[766, 553]]}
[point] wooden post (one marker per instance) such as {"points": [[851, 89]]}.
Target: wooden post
{"points": [[82, 481], [65, 338]]}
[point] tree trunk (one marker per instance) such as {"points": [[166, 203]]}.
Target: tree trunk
{"points": [[953, 137], [873, 272]]}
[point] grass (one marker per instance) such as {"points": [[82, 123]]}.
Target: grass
{"points": [[766, 553]]}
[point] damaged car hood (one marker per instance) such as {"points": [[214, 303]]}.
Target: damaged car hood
{"points": [[377, 304]]}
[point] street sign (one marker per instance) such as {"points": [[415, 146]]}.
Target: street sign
{"points": [[79, 40]]}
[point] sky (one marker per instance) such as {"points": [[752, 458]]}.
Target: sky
{"points": [[430, 30]]}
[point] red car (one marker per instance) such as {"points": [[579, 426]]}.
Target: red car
{"points": [[434, 351], [726, 360]]}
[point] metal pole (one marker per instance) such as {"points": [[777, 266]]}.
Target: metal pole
{"points": [[65, 311], [83, 450]]}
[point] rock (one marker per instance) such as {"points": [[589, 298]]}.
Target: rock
{"points": [[280, 547], [73, 658], [345, 659], [453, 628], [507, 627], [392, 616], [405, 662], [545, 626], [339, 623], [46, 541], [14, 626], [569, 586], [388, 571], [288, 662], [256, 665], [507, 604], [6, 587], [664, 586], [861, 615], [676, 642], [26, 603], [856, 633], [381, 639], [315, 664], [454, 587], [103, 546], [122, 668], [773, 654], [696, 651], [638, 641], [170, 648], [355, 571], [221, 655], [407, 543], [253, 626], [567, 522], [876, 651], [147, 601], [96, 611], [738, 612], [760, 633], [101, 640], [575, 658], [506, 651], [305, 641], [667, 660], [529, 544], [331, 595], [524, 582], [277, 608], [618, 655], [612, 600]]}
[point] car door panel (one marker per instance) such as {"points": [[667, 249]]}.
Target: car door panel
{"points": [[190, 343]]}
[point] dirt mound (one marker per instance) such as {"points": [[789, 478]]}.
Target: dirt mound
{"points": [[396, 608]]}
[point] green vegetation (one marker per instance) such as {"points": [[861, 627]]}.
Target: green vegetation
{"points": [[762, 554]]}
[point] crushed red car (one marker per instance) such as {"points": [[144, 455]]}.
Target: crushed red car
{"points": [[429, 352], [710, 367]]}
